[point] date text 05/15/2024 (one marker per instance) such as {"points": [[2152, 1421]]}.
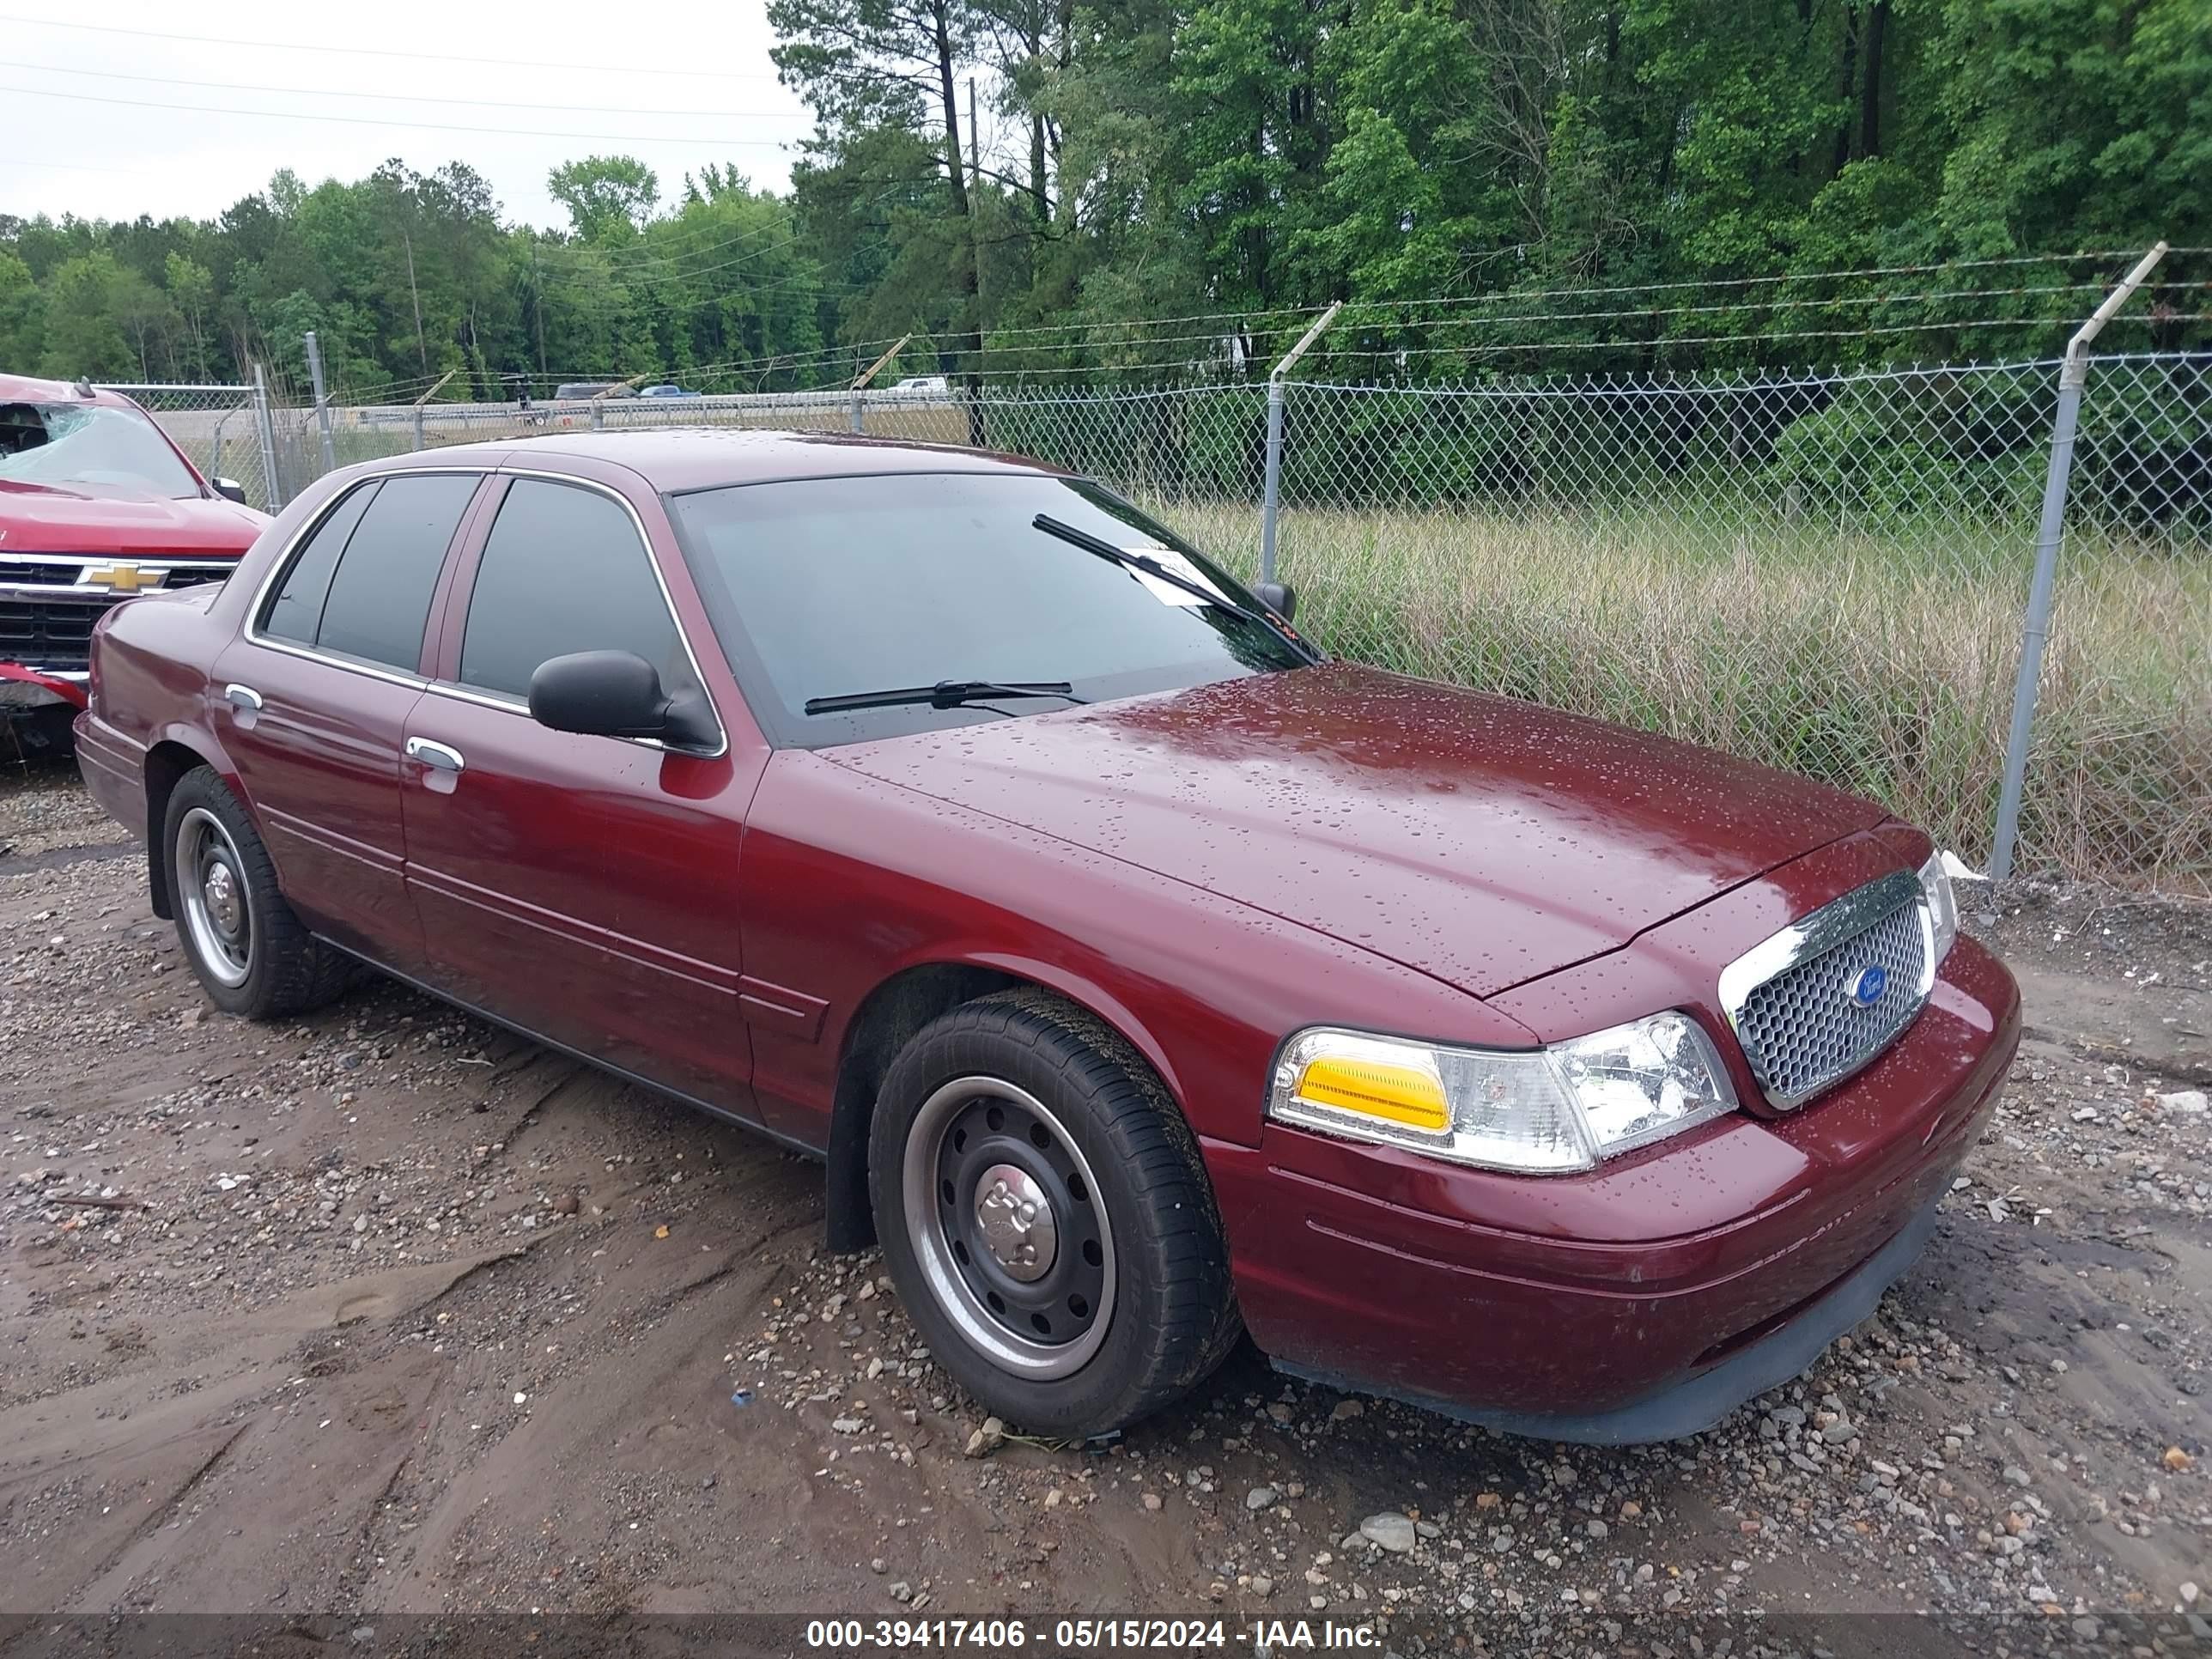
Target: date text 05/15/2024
{"points": [[1265, 1635]]}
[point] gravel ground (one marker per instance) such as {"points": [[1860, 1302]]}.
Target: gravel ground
{"points": [[383, 1312]]}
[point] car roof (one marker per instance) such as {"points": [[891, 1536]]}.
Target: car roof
{"points": [[677, 458], [23, 389]]}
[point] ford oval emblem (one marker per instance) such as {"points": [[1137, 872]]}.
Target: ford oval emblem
{"points": [[1865, 987]]}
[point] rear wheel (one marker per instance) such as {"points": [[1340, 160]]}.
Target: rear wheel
{"points": [[251, 954], [1045, 1218]]}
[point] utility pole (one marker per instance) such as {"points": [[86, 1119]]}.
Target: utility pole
{"points": [[538, 292], [975, 143], [322, 401], [421, 349]]}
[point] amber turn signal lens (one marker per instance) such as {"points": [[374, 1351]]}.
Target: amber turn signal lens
{"points": [[1397, 1094]]}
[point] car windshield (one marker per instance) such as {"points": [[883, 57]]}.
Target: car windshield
{"points": [[89, 444], [824, 589]]}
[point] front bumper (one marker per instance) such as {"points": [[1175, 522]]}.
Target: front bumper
{"points": [[23, 688], [1642, 1300]]}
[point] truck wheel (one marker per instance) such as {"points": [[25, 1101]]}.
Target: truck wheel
{"points": [[1045, 1218], [251, 954]]}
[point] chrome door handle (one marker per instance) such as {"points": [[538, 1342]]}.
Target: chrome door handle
{"points": [[242, 696], [436, 755]]}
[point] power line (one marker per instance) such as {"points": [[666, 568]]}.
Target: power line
{"points": [[425, 126], [644, 259], [375, 52], [689, 274], [405, 98], [76, 167]]}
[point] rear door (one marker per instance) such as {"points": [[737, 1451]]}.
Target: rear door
{"points": [[312, 702], [583, 887]]}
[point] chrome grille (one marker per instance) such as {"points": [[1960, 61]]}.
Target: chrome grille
{"points": [[46, 573], [1791, 1000], [57, 636]]}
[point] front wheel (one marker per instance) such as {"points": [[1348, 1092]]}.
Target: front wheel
{"points": [[1045, 1218]]}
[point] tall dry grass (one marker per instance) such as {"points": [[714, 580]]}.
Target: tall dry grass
{"points": [[1883, 663]]}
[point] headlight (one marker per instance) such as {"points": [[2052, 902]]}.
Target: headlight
{"points": [[1942, 903], [1532, 1111]]}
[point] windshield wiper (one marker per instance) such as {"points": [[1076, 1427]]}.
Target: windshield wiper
{"points": [[946, 693], [1153, 568]]}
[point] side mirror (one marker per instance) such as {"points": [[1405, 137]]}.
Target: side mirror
{"points": [[616, 694], [1280, 598], [230, 490]]}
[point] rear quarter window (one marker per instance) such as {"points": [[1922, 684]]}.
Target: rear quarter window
{"points": [[364, 580]]}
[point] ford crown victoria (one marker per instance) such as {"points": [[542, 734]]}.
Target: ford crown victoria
{"points": [[1142, 975]]}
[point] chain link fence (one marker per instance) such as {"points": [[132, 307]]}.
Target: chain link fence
{"points": [[1826, 571], [222, 430]]}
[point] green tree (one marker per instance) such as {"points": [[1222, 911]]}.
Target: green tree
{"points": [[85, 303], [192, 292], [608, 197]]}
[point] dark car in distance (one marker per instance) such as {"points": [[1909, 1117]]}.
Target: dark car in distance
{"points": [[1141, 975]]}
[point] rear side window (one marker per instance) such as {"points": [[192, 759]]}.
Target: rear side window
{"points": [[564, 570], [381, 568], [296, 612]]}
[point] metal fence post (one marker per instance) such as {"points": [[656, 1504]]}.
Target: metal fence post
{"points": [[1271, 489], [437, 387], [272, 486], [2073, 375], [860, 383], [322, 402]]}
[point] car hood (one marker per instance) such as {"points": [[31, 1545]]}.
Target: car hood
{"points": [[1479, 839], [109, 519]]}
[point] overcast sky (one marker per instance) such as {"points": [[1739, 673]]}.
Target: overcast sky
{"points": [[152, 111]]}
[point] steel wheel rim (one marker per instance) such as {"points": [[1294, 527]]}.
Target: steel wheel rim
{"points": [[211, 887], [960, 1287]]}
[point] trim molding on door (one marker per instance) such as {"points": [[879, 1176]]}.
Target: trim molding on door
{"points": [[794, 1013], [709, 975]]}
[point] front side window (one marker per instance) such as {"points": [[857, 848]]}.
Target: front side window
{"points": [[823, 589], [361, 586], [564, 570], [92, 446]]}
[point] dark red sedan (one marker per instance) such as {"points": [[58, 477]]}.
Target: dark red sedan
{"points": [[96, 504], [1142, 975]]}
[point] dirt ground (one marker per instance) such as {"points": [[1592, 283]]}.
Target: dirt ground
{"points": [[384, 1313]]}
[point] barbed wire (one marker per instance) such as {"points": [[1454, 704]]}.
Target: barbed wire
{"points": [[1299, 311], [1869, 299], [1733, 339], [1787, 276]]}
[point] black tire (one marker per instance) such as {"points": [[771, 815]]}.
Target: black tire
{"points": [[1110, 1162], [285, 970]]}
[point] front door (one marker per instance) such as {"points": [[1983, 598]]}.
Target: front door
{"points": [[313, 700], [582, 887]]}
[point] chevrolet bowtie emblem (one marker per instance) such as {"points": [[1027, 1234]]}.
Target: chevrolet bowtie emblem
{"points": [[123, 577]]}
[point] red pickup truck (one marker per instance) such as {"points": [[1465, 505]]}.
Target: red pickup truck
{"points": [[97, 504]]}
